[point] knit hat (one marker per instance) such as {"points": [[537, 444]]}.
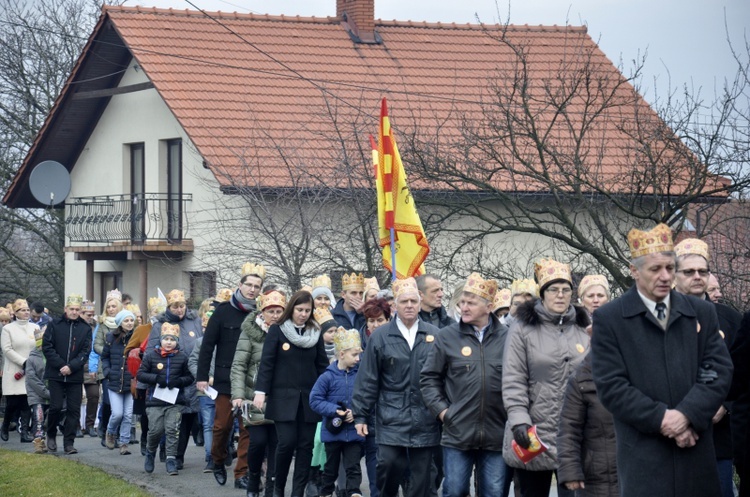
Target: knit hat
{"points": [[321, 290], [120, 317]]}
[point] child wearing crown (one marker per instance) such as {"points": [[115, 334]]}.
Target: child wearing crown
{"points": [[331, 397], [164, 367]]}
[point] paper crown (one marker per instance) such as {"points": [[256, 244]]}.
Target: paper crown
{"points": [[322, 315], [133, 308], [169, 329], [175, 296], [502, 299], [274, 298], [345, 339], [114, 294], [306, 288], [20, 304], [547, 270], [692, 246], [254, 269], [591, 280], [519, 287], [73, 299], [481, 287], [371, 284], [88, 306], [407, 285], [353, 281], [321, 280], [156, 303], [655, 241], [5, 314], [223, 295]]}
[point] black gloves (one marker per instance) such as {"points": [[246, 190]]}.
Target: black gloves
{"points": [[161, 381], [706, 374], [521, 435]]}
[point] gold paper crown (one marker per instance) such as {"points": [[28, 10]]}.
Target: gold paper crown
{"points": [[371, 283], [524, 286], [407, 285], [306, 288], [502, 299], [88, 306], [21, 303], [481, 287], [170, 329], [175, 296], [155, 303], [547, 270], [321, 281], [257, 270], [4, 314], [223, 295], [73, 299], [353, 282], [592, 280], [274, 298], [344, 339], [322, 315], [114, 294], [133, 308], [692, 246], [655, 241]]}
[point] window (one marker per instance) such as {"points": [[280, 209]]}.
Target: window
{"points": [[108, 281], [202, 286]]}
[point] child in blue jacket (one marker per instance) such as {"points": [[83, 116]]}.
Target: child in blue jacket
{"points": [[331, 397]]}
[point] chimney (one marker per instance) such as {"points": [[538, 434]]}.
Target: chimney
{"points": [[358, 19]]}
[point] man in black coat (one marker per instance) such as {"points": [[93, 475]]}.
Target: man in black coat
{"points": [[661, 369], [222, 333], [691, 278], [388, 382], [432, 310], [462, 383], [66, 345]]}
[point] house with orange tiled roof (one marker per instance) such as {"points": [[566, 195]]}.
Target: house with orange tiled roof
{"points": [[171, 120]]}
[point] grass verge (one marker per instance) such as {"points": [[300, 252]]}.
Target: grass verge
{"points": [[36, 475]]}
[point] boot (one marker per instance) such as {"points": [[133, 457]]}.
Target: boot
{"points": [[270, 481], [110, 440], [39, 446], [4, 429], [149, 464], [26, 436], [253, 483]]}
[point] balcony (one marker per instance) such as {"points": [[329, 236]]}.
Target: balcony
{"points": [[121, 225]]}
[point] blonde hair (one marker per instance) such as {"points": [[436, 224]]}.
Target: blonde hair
{"points": [[104, 309]]}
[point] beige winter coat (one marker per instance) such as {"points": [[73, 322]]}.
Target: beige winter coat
{"points": [[17, 342]]}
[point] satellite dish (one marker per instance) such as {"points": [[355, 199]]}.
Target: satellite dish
{"points": [[49, 183]]}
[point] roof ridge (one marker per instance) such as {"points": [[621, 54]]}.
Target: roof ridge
{"points": [[329, 19]]}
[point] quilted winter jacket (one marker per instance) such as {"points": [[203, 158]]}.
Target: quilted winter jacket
{"points": [[36, 387], [333, 386], [114, 366], [173, 367], [542, 351]]}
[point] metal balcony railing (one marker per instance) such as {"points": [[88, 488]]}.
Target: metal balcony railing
{"points": [[135, 219]]}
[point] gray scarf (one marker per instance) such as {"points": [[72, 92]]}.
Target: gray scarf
{"points": [[306, 340]]}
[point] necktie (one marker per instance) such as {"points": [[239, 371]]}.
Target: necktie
{"points": [[661, 307]]}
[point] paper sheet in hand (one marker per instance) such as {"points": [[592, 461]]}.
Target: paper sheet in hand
{"points": [[168, 395], [211, 392]]}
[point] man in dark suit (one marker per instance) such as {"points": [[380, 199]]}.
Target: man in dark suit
{"points": [[661, 369], [691, 278]]}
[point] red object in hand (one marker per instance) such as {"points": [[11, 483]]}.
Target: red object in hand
{"points": [[19, 375]]}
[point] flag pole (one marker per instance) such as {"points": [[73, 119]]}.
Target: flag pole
{"points": [[393, 254]]}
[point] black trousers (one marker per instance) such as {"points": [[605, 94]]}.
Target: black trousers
{"points": [[186, 427], [296, 439], [263, 441], [17, 406], [394, 460], [537, 484], [351, 453], [64, 395]]}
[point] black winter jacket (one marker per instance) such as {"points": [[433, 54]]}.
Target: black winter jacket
{"points": [[172, 369], [114, 366], [439, 317], [342, 318], [222, 333], [388, 380], [66, 343], [465, 376]]}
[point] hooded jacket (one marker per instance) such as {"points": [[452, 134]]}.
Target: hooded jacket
{"points": [[171, 368], [334, 386], [114, 366], [36, 388], [66, 343], [542, 351]]}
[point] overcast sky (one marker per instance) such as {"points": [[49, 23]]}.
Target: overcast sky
{"points": [[685, 40]]}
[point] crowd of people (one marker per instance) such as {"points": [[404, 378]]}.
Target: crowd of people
{"points": [[550, 378]]}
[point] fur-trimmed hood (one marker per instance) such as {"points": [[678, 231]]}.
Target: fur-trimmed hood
{"points": [[533, 312]]}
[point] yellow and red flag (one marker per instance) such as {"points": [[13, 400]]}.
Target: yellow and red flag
{"points": [[400, 231]]}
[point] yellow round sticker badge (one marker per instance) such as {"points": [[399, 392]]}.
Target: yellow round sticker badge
{"points": [[429, 338], [286, 346], [580, 348], [192, 333], [466, 351], [160, 366]]}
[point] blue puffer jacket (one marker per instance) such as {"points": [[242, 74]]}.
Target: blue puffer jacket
{"points": [[114, 365], [333, 386]]}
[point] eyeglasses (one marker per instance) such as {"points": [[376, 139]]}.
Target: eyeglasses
{"points": [[690, 272], [557, 291]]}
